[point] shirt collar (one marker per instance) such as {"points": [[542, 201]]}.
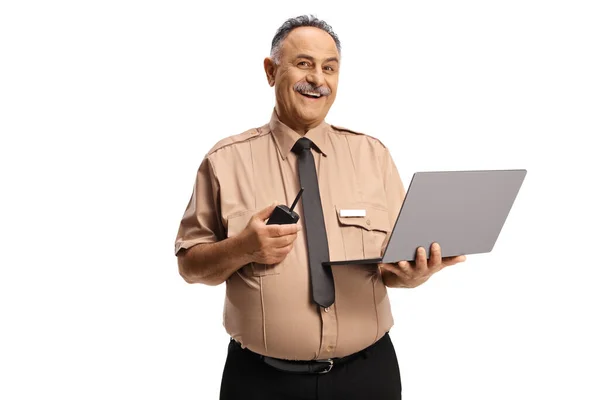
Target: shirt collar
{"points": [[285, 137]]}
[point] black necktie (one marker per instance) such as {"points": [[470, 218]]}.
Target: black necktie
{"points": [[321, 278]]}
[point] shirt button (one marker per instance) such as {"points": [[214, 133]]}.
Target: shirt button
{"points": [[368, 222], [326, 309], [329, 348]]}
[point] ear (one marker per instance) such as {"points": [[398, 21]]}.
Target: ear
{"points": [[270, 70]]}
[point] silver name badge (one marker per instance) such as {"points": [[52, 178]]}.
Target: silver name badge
{"points": [[353, 213]]}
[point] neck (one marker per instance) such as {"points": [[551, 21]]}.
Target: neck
{"points": [[299, 128]]}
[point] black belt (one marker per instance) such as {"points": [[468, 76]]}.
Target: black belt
{"points": [[312, 366]]}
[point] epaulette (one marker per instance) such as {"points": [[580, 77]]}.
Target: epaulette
{"points": [[241, 137], [342, 129]]}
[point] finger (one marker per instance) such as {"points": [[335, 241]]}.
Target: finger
{"points": [[282, 241], [283, 230], [447, 261], [435, 256], [406, 267], [283, 251], [266, 212], [421, 260], [393, 268]]}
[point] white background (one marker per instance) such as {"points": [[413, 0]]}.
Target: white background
{"points": [[107, 108]]}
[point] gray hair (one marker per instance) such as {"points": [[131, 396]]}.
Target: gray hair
{"points": [[297, 22]]}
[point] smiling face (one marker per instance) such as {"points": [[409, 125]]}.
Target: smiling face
{"points": [[305, 79]]}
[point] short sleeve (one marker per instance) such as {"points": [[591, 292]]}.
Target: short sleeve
{"points": [[201, 222]]}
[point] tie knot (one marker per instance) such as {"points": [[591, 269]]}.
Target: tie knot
{"points": [[301, 145]]}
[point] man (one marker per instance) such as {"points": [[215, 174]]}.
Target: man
{"points": [[298, 329]]}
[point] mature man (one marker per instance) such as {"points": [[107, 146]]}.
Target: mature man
{"points": [[301, 330]]}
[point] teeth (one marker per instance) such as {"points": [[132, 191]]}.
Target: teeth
{"points": [[313, 94]]}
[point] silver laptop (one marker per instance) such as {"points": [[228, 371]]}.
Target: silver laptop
{"points": [[463, 211]]}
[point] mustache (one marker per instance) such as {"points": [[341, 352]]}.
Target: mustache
{"points": [[309, 87]]}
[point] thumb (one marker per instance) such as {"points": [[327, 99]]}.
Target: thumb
{"points": [[266, 212]]}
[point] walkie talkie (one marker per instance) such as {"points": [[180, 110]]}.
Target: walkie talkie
{"points": [[282, 215]]}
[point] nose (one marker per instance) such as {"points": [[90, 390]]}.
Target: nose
{"points": [[316, 77]]}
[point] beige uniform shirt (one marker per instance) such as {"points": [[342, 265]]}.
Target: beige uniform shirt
{"points": [[268, 308]]}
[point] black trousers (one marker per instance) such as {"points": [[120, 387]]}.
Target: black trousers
{"points": [[373, 375]]}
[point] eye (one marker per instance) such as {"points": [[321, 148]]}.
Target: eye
{"points": [[329, 68], [304, 64]]}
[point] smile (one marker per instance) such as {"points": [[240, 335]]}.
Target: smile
{"points": [[311, 95]]}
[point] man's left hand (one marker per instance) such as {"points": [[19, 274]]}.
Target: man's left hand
{"points": [[412, 274]]}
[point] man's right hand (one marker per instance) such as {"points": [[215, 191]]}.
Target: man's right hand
{"points": [[268, 244]]}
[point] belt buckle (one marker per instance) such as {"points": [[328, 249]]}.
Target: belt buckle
{"points": [[329, 366]]}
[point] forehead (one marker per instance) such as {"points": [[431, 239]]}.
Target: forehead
{"points": [[309, 40]]}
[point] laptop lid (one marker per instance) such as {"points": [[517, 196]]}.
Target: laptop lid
{"points": [[463, 211]]}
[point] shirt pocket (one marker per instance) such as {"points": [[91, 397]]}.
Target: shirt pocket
{"points": [[363, 237], [237, 223]]}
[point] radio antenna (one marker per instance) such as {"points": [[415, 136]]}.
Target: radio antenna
{"points": [[296, 199]]}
